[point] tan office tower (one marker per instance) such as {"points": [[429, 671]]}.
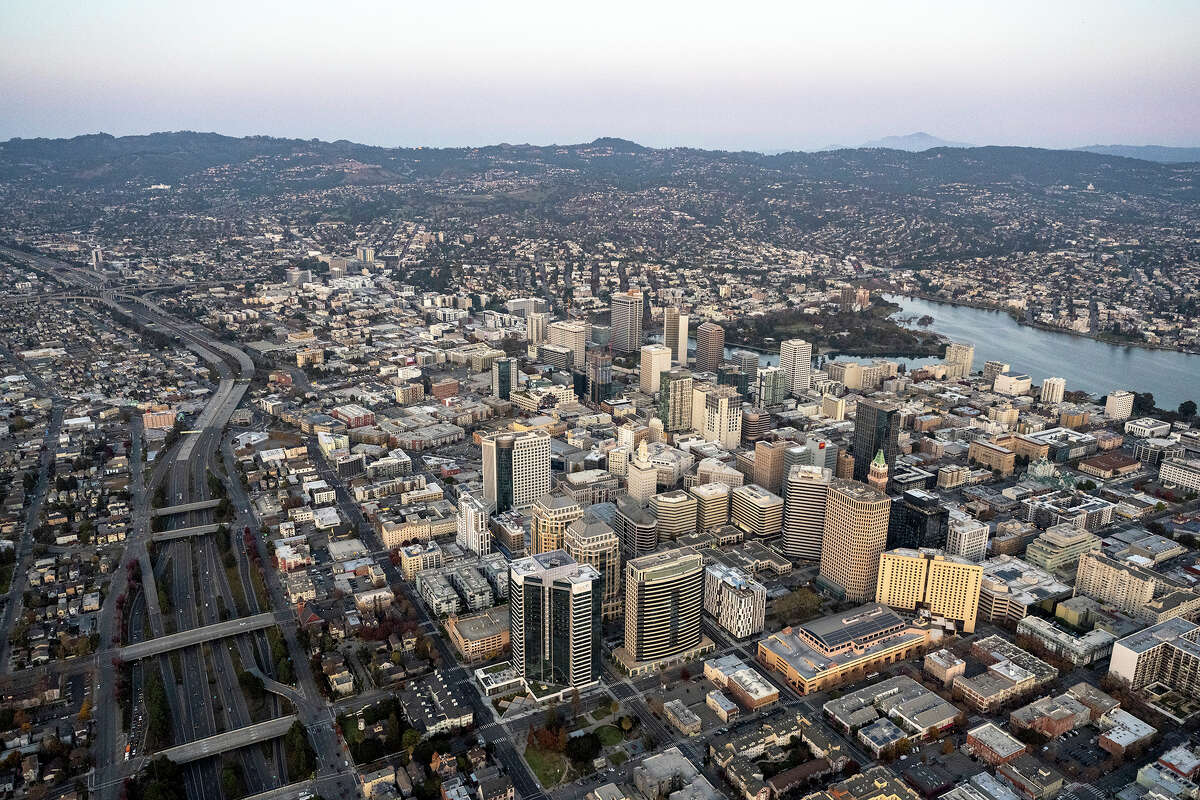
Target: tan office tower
{"points": [[805, 496], [960, 359], [516, 468], [552, 514], [756, 511], [664, 598], [710, 347], [856, 524], [676, 512], [675, 333], [756, 424], [626, 321], [717, 414], [1053, 390], [795, 359], [641, 477], [675, 400], [656, 359], [573, 336], [768, 464], [590, 540], [930, 581], [712, 505], [536, 323]]}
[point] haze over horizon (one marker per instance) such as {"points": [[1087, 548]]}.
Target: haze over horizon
{"points": [[773, 77]]}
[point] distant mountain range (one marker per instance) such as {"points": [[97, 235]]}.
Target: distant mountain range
{"points": [[1147, 152], [912, 143]]}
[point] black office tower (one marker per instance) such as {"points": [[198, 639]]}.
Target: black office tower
{"points": [[876, 427]]}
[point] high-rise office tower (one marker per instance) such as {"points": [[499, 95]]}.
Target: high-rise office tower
{"points": [[536, 323], [768, 464], [504, 377], [993, 368], [772, 386], [918, 519], [712, 505], [717, 414], [795, 359], [805, 496], [755, 510], [516, 468], [1053, 390], [626, 321], [554, 619], [664, 598], [675, 400], [591, 540], [876, 427], [636, 527], [710, 347], [856, 523], [756, 424], [675, 333], [748, 361], [472, 523], [930, 581], [641, 478], [960, 359], [676, 513], [572, 335], [552, 513], [966, 536], [656, 359], [599, 375]]}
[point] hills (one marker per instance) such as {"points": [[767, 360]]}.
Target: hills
{"points": [[914, 142]]}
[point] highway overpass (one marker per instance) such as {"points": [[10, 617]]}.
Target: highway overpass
{"points": [[183, 533], [164, 644], [229, 740], [183, 508]]}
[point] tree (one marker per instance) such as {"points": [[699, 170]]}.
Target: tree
{"points": [[1187, 409], [410, 739]]}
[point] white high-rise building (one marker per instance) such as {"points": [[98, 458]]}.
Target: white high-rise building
{"points": [[1119, 405], [656, 359], [473, 531], [966, 536], [806, 490], [1053, 390], [641, 478], [675, 333], [717, 414], [795, 359], [626, 321], [535, 326], [516, 468], [572, 335]]}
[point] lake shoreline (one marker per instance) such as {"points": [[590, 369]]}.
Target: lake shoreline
{"points": [[1041, 326]]}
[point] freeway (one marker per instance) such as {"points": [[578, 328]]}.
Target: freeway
{"points": [[229, 740]]}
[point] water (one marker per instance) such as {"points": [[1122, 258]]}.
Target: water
{"points": [[1087, 365]]}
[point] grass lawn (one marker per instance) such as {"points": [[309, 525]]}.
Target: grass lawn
{"points": [[548, 767], [609, 736], [618, 758]]}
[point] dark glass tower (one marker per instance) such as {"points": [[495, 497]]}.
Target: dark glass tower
{"points": [[876, 427]]}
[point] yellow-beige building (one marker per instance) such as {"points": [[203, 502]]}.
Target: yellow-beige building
{"points": [[930, 581], [552, 514], [856, 526]]}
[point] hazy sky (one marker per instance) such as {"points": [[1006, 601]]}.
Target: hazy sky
{"points": [[731, 74]]}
